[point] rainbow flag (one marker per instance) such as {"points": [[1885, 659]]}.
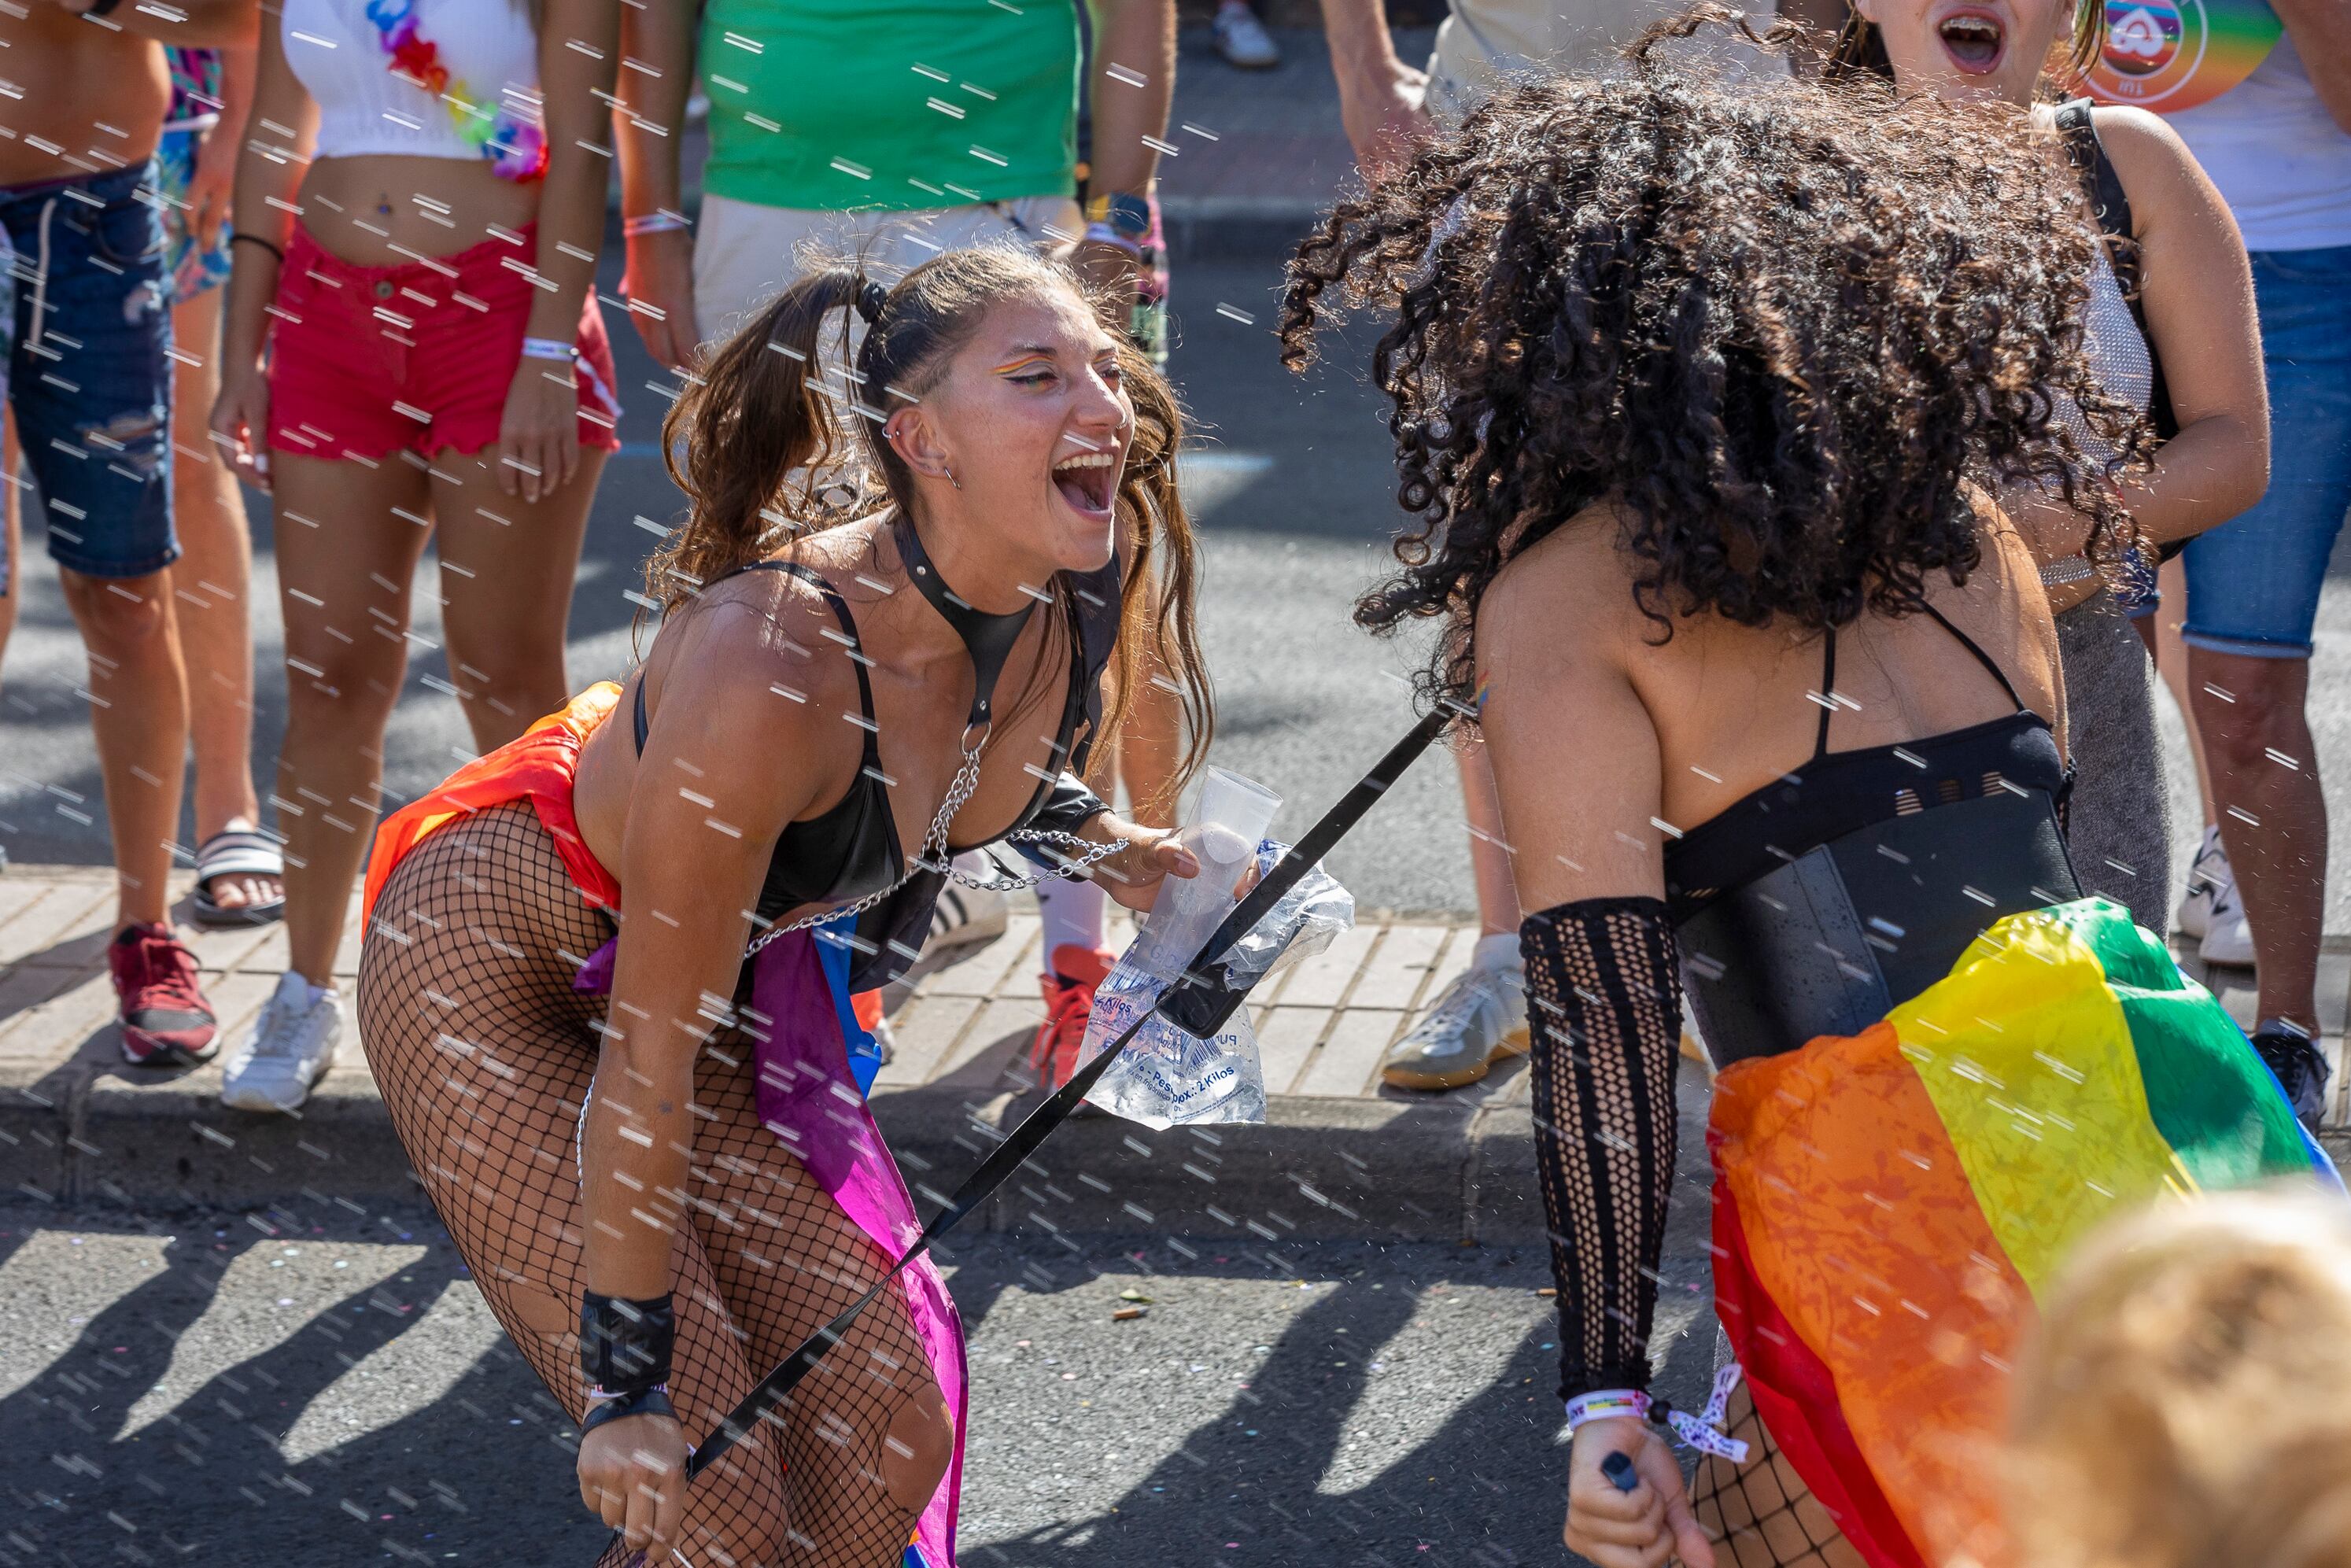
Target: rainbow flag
{"points": [[1889, 1208]]}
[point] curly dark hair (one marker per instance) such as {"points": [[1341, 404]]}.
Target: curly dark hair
{"points": [[1784, 324]]}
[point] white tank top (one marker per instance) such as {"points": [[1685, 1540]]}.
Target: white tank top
{"points": [[338, 55], [2280, 160]]}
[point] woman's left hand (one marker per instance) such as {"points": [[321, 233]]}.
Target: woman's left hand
{"points": [[538, 438], [1150, 855]]}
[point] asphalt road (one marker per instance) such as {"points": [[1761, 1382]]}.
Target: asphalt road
{"points": [[1293, 489], [312, 1386]]}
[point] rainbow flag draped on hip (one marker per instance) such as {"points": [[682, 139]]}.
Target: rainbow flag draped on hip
{"points": [[1889, 1207]]}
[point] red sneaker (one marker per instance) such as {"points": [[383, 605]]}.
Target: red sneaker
{"points": [[1068, 989], [166, 1022]]}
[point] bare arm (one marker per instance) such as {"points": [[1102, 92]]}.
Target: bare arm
{"points": [[2321, 30], [1380, 97], [578, 40], [727, 763], [186, 24], [278, 133], [656, 73], [1137, 37], [2198, 292]]}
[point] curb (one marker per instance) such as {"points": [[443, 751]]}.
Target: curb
{"points": [[1318, 1169]]}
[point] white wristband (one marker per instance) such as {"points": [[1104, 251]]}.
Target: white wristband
{"points": [[1607, 1404], [549, 349]]}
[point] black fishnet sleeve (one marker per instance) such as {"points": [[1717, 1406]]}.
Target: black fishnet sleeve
{"points": [[1605, 1000]]}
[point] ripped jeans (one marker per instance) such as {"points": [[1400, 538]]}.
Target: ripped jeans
{"points": [[90, 373]]}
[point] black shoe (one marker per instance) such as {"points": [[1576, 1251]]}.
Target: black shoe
{"points": [[2301, 1071]]}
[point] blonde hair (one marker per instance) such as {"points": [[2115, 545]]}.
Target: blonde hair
{"points": [[2187, 1400]]}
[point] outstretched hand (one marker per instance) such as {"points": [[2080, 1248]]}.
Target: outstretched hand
{"points": [[1644, 1528]]}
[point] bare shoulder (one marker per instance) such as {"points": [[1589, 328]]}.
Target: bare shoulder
{"points": [[1570, 592], [764, 632], [2158, 172]]}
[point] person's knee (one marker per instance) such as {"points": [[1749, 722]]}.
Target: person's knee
{"points": [[2251, 709], [118, 615], [918, 1448]]}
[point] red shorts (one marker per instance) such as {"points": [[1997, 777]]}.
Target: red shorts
{"points": [[369, 360]]}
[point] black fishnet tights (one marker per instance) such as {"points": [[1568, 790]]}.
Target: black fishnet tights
{"points": [[1761, 1514], [1605, 1000], [483, 1053]]}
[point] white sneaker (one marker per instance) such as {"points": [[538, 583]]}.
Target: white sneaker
{"points": [[2207, 874], [965, 919], [1242, 39], [2227, 938], [1476, 1021], [288, 1050]]}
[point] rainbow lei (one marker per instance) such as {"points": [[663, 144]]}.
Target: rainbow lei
{"points": [[515, 148]]}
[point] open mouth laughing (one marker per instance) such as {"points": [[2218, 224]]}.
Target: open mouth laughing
{"points": [[1087, 480], [1976, 41]]}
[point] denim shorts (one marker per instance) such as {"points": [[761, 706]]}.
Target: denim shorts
{"points": [[2253, 581], [90, 376]]}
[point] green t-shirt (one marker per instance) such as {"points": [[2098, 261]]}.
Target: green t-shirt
{"points": [[828, 105]]}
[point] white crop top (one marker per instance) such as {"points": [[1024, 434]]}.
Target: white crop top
{"points": [[487, 47]]}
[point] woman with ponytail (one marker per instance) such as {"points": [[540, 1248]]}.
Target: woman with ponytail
{"points": [[606, 978]]}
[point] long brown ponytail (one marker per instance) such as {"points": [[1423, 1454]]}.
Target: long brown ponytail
{"points": [[754, 423]]}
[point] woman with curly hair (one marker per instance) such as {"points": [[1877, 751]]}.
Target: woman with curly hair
{"points": [[664, 1196], [1703, 397], [2170, 328]]}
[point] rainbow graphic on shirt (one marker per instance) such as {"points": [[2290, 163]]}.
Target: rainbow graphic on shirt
{"points": [[2170, 55], [1890, 1206]]}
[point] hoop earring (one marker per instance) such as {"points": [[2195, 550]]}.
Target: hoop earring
{"points": [[951, 478]]}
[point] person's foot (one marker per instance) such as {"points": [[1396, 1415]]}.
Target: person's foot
{"points": [[2207, 876], [240, 877], [1242, 39], [1069, 987], [1476, 1021], [288, 1050], [2299, 1067], [2228, 938], [166, 1022]]}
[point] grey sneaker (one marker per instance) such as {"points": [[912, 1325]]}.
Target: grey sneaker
{"points": [[288, 1050], [1476, 1021], [1242, 39]]}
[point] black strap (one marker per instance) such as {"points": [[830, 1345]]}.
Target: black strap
{"points": [[2110, 205], [816, 578], [1196, 1002], [989, 639], [1986, 660], [1828, 676], [1828, 694]]}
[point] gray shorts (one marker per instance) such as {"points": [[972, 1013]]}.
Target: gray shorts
{"points": [[2120, 824]]}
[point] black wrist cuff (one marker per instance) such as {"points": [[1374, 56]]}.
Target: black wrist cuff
{"points": [[644, 1402], [624, 1346]]}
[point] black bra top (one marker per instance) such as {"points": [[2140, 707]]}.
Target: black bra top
{"points": [[1837, 792], [851, 849]]}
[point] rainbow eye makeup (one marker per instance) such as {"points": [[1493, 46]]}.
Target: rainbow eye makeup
{"points": [[1024, 363]]}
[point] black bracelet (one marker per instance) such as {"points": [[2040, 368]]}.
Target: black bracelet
{"points": [[256, 239], [624, 1346], [100, 7], [603, 1407]]}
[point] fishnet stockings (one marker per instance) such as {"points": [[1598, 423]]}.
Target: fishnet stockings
{"points": [[485, 1052], [1761, 1514], [1606, 1013]]}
